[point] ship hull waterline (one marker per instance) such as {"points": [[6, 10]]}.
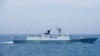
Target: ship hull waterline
{"points": [[86, 40]]}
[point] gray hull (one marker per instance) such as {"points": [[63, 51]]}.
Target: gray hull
{"points": [[86, 40]]}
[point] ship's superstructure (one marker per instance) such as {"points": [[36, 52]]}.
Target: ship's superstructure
{"points": [[47, 36]]}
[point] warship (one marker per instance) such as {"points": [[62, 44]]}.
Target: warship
{"points": [[47, 38]]}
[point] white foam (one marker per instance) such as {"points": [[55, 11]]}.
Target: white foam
{"points": [[9, 42]]}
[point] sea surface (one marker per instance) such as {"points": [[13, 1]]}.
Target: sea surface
{"points": [[72, 49]]}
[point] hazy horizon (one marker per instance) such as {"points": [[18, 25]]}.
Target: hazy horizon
{"points": [[36, 16]]}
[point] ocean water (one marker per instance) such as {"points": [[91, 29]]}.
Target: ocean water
{"points": [[72, 49]]}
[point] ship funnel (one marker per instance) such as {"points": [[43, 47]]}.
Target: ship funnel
{"points": [[48, 31]]}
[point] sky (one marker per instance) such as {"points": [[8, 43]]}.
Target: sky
{"points": [[36, 16]]}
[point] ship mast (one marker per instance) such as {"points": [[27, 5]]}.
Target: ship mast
{"points": [[59, 31]]}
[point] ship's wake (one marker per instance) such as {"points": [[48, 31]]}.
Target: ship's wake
{"points": [[8, 42]]}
